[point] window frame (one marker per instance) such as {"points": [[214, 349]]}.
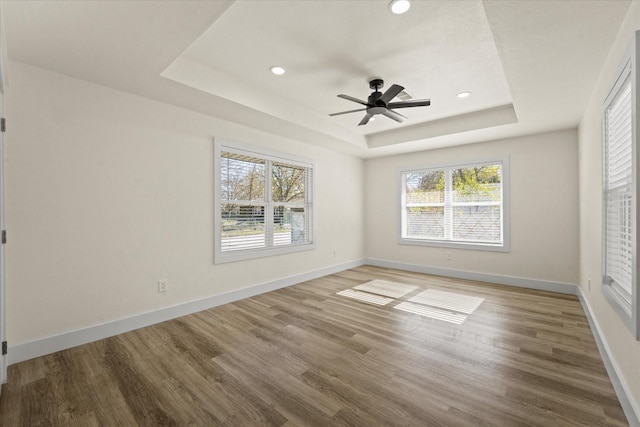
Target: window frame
{"points": [[452, 244], [223, 145], [629, 311]]}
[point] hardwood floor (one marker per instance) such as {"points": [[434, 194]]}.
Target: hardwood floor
{"points": [[304, 356]]}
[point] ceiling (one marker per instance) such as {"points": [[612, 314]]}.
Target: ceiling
{"points": [[530, 65]]}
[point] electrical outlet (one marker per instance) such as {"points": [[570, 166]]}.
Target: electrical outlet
{"points": [[448, 255], [162, 286]]}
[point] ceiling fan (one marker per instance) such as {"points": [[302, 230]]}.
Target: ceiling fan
{"points": [[378, 103]]}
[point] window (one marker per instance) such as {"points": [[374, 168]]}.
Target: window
{"points": [[263, 203], [620, 196], [456, 206]]}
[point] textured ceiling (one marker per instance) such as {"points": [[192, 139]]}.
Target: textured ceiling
{"points": [[530, 65]]}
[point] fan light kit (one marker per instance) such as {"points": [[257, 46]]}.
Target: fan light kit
{"points": [[379, 103], [399, 6], [278, 71]]}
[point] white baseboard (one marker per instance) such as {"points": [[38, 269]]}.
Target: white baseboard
{"points": [[542, 285], [28, 350], [43, 346], [40, 347], [629, 406]]}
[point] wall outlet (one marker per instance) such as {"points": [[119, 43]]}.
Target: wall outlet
{"points": [[162, 286], [448, 255]]}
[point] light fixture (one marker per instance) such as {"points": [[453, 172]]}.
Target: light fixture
{"points": [[399, 6], [277, 70], [463, 94]]}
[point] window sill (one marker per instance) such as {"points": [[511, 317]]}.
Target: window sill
{"points": [[456, 245]]}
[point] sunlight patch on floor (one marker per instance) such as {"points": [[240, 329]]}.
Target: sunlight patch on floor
{"points": [[433, 303], [432, 312], [365, 297], [388, 289], [448, 300]]}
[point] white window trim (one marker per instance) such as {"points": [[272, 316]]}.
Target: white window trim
{"points": [[225, 145], [506, 214], [629, 313]]}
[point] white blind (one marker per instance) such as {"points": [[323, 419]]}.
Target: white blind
{"points": [[242, 219], [264, 203], [618, 191], [424, 195], [462, 205], [290, 192]]}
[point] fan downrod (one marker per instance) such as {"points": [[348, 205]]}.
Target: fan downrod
{"points": [[376, 84]]}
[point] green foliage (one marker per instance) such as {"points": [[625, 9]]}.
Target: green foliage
{"points": [[432, 181], [473, 181], [470, 184]]}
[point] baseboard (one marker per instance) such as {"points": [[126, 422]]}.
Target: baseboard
{"points": [[542, 285], [629, 406], [47, 345], [40, 347]]}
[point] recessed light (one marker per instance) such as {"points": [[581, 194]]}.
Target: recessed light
{"points": [[277, 70], [399, 6], [463, 94]]}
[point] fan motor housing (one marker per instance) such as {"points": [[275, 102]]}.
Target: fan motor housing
{"points": [[373, 98]]}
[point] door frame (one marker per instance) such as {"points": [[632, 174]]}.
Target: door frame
{"points": [[3, 294]]}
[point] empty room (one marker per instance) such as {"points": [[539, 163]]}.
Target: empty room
{"points": [[317, 213]]}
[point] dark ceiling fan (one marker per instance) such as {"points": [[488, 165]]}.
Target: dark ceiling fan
{"points": [[378, 103]]}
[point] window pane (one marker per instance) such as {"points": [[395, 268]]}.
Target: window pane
{"points": [[242, 178], [458, 205], [619, 255], [263, 203], [242, 227], [477, 223], [426, 222], [618, 195], [290, 226], [425, 187], [478, 184], [288, 183]]}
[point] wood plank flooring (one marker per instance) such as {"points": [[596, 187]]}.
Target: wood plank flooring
{"points": [[304, 356]]}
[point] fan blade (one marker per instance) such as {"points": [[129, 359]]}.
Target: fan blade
{"points": [[393, 115], [365, 119], [351, 98], [347, 112], [413, 103], [391, 93]]}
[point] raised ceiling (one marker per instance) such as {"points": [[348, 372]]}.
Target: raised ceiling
{"points": [[529, 65]]}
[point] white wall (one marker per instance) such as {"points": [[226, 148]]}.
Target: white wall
{"points": [[544, 209], [108, 192], [625, 350]]}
